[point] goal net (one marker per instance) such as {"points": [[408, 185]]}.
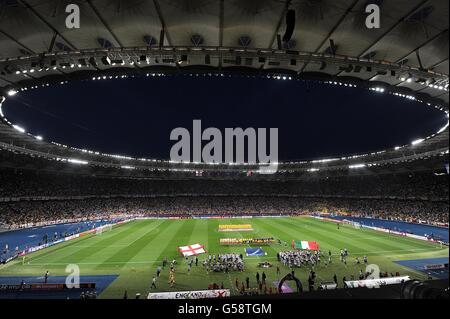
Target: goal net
{"points": [[102, 229], [357, 225]]}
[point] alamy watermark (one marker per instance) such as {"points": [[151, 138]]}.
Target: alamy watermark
{"points": [[73, 279], [373, 20], [229, 149], [73, 19]]}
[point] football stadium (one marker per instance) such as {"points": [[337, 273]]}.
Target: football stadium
{"points": [[109, 188]]}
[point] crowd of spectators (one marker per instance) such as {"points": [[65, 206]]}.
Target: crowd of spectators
{"points": [[407, 186], [29, 213], [28, 198]]}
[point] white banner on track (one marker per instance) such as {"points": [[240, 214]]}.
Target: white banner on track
{"points": [[200, 294]]}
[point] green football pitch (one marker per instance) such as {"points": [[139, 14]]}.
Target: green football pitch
{"points": [[134, 250]]}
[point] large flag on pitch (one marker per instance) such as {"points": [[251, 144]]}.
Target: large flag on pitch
{"points": [[305, 245], [255, 252], [192, 250]]}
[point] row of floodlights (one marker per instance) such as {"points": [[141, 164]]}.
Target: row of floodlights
{"points": [[341, 84], [430, 83], [353, 166], [107, 61], [54, 68], [40, 138], [311, 170], [413, 143], [13, 92], [439, 87]]}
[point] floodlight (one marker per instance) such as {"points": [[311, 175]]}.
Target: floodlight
{"points": [[18, 128], [418, 141], [357, 166], [12, 92]]}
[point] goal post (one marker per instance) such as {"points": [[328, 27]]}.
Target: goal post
{"points": [[357, 225], [105, 228]]}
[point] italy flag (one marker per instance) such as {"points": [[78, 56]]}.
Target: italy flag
{"points": [[305, 245]]}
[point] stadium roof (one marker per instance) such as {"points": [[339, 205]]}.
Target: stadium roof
{"points": [[413, 33], [407, 55]]}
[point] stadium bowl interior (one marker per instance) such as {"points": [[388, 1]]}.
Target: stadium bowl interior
{"points": [[42, 182]]}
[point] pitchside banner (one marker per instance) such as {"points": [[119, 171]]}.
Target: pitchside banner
{"points": [[374, 283], [200, 294]]}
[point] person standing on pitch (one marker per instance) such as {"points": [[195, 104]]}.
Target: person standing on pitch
{"points": [[46, 277], [153, 283]]}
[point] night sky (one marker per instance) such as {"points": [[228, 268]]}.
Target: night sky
{"points": [[135, 116]]}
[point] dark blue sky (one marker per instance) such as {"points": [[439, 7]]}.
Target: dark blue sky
{"points": [[135, 116]]}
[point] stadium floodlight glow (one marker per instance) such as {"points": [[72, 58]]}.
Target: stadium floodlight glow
{"points": [[313, 170], [405, 77], [327, 160], [128, 167], [418, 141], [440, 174], [18, 128], [443, 129], [357, 166], [78, 162], [12, 92], [397, 148], [39, 138]]}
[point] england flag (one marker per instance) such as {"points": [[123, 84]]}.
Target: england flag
{"points": [[192, 250]]}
